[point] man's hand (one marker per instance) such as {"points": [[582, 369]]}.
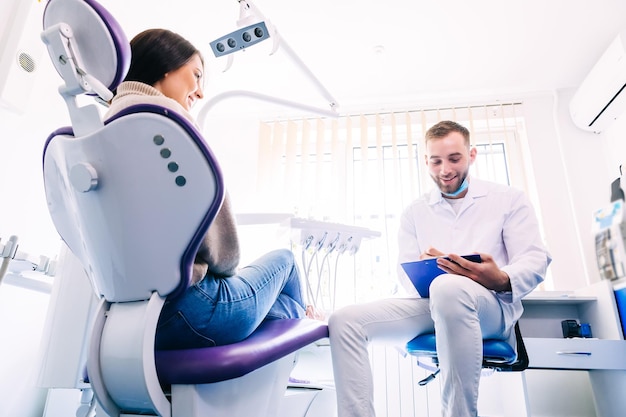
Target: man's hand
{"points": [[431, 253], [486, 273]]}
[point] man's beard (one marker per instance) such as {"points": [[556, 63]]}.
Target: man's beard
{"points": [[450, 188]]}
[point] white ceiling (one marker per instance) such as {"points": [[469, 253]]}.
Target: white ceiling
{"points": [[395, 53]]}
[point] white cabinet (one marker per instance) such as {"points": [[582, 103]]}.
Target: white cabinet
{"points": [[544, 311], [603, 355], [583, 354]]}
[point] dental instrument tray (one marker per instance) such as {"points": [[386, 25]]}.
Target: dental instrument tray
{"points": [[422, 273]]}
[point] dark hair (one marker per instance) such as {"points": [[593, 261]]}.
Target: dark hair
{"points": [[155, 52], [444, 128]]}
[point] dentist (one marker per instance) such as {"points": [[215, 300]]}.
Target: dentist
{"points": [[471, 301]]}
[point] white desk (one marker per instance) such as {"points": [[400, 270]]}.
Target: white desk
{"points": [[604, 356]]}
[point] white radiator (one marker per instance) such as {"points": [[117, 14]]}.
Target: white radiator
{"points": [[396, 392]]}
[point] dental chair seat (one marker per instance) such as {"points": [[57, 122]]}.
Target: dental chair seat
{"points": [[272, 340]]}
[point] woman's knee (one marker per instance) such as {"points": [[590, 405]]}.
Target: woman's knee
{"points": [[283, 256], [278, 260]]}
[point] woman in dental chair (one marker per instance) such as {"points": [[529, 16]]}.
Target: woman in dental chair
{"points": [[224, 304]]}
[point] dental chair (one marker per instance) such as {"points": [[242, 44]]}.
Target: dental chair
{"points": [[132, 198]]}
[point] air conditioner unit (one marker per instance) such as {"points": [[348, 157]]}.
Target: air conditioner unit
{"points": [[601, 98]]}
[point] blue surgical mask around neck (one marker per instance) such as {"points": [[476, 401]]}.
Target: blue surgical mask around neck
{"points": [[462, 188]]}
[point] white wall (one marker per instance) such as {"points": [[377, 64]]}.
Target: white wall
{"points": [[573, 180], [615, 139], [22, 318], [234, 140], [23, 213]]}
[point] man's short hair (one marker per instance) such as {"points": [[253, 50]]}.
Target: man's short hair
{"points": [[444, 128]]}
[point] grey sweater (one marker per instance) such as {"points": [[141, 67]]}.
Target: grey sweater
{"points": [[219, 251]]}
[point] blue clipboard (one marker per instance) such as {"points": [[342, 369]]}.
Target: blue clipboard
{"points": [[422, 273]]}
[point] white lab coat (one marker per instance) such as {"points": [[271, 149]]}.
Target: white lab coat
{"points": [[493, 219]]}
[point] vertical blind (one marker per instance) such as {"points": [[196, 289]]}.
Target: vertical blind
{"points": [[364, 169]]}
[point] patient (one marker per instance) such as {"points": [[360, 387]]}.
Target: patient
{"points": [[224, 304]]}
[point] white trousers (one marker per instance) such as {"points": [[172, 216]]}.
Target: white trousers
{"points": [[462, 313]]}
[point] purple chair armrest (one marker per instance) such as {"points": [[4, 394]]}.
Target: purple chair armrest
{"points": [[271, 341]]}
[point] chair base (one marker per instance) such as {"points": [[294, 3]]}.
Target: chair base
{"points": [[309, 402], [503, 394], [258, 393]]}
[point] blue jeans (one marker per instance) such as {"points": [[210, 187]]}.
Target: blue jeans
{"points": [[223, 310]]}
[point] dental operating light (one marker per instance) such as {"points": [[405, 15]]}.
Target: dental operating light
{"points": [[240, 39], [257, 29]]}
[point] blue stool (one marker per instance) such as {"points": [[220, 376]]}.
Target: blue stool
{"points": [[498, 355]]}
